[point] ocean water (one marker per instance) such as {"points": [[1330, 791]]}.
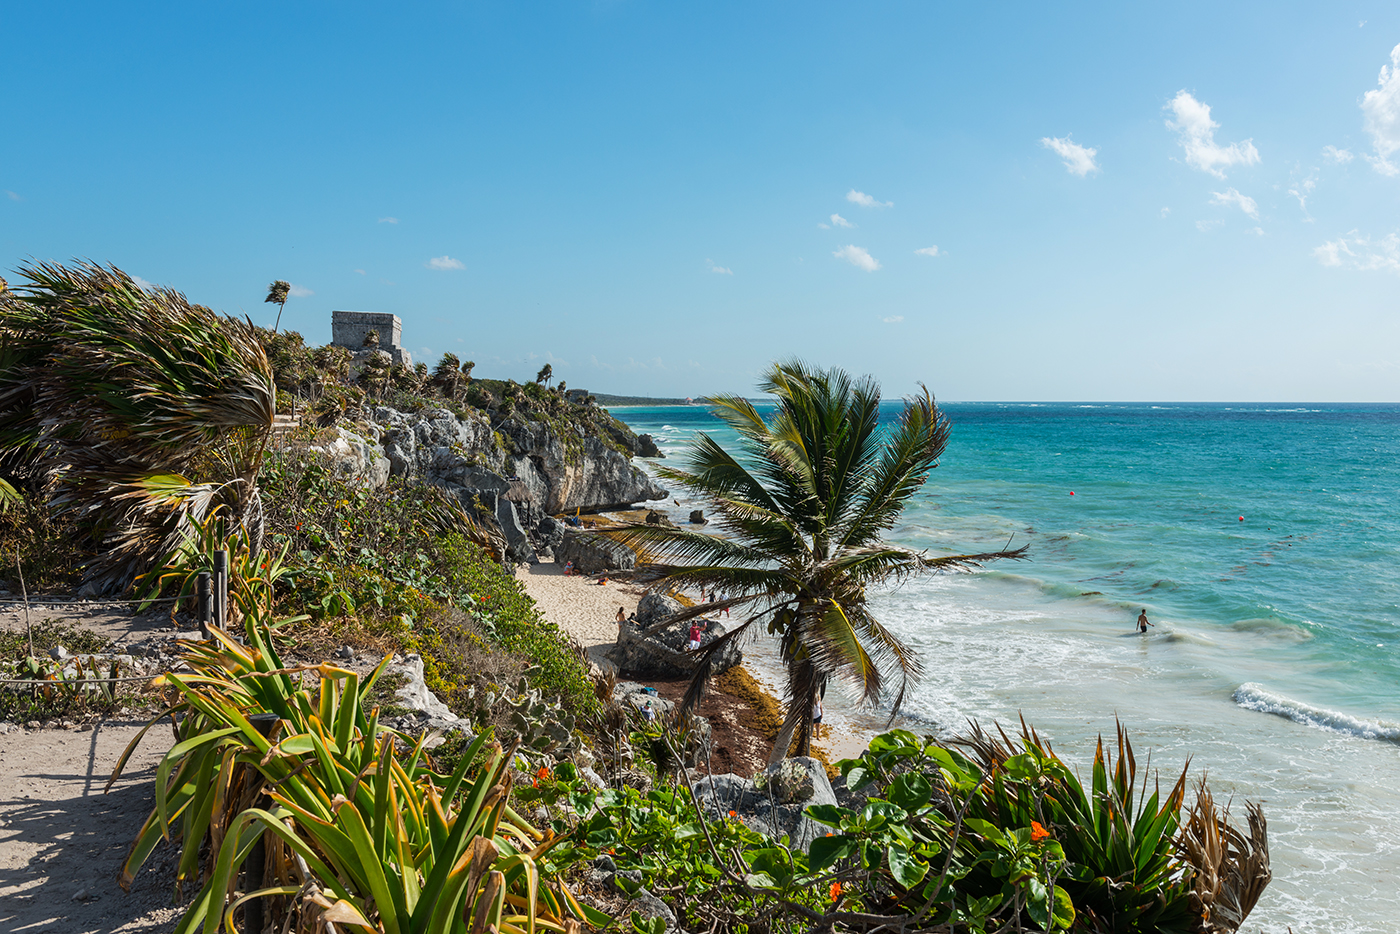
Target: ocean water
{"points": [[1264, 543]]}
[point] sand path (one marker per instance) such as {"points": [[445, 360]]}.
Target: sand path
{"points": [[62, 840]]}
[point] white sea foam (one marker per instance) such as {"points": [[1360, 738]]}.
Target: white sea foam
{"points": [[1252, 696]]}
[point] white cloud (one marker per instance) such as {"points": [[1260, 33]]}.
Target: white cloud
{"points": [[865, 201], [893, 319], [838, 221], [444, 263], [12, 196], [388, 220], [1231, 196], [1339, 156], [1208, 226], [1166, 211], [1303, 191], [299, 291], [928, 251], [1197, 137], [143, 283], [1361, 253], [360, 271], [1259, 231], [821, 226], [1381, 107], [723, 271], [858, 256], [1079, 160]]}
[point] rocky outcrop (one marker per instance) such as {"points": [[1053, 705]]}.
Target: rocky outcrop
{"points": [[697, 517], [649, 647], [773, 802], [646, 447], [353, 457], [593, 554], [517, 471]]}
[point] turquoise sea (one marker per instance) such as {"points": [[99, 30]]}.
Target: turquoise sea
{"points": [[1264, 543]]}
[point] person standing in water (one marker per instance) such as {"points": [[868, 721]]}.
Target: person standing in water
{"points": [[1142, 622]]}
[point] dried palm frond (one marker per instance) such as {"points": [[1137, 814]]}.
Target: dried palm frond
{"points": [[1231, 870], [140, 411]]}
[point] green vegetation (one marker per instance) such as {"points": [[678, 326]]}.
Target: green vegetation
{"points": [[359, 829], [129, 409], [803, 531]]}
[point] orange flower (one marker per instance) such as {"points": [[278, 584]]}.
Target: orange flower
{"points": [[835, 892], [543, 773], [733, 814], [1038, 832]]}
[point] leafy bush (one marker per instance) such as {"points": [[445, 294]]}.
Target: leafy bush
{"points": [[361, 831]]}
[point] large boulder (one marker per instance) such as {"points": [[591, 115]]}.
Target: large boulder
{"points": [[518, 545], [592, 553], [353, 457], [646, 447], [773, 802], [651, 647]]}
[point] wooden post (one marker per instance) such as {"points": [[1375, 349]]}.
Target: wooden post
{"points": [[221, 588], [202, 597], [254, 867]]}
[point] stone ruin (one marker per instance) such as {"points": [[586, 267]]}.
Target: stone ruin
{"points": [[348, 330]]}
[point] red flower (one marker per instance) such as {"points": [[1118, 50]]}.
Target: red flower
{"points": [[1038, 832], [835, 892]]}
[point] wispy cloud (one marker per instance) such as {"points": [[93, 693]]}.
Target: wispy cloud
{"points": [[893, 319], [1166, 211], [928, 251], [1361, 253], [1079, 160], [299, 291], [838, 221], [143, 283], [1381, 107], [388, 220], [1208, 226], [1337, 156], [360, 271], [1230, 196], [858, 257], [866, 201], [444, 263], [1303, 191], [722, 270], [12, 195], [1197, 137]]}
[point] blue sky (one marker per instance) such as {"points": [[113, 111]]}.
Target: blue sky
{"points": [[661, 198]]}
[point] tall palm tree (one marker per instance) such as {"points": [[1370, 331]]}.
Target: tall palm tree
{"points": [[802, 510], [136, 410]]}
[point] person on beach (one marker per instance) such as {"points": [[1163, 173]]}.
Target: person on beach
{"points": [[1142, 622], [621, 616], [694, 641], [568, 568]]}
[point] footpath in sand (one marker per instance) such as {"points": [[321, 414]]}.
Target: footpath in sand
{"points": [[62, 841], [579, 605]]}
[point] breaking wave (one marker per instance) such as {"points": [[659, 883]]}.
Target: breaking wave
{"points": [[1253, 696]]}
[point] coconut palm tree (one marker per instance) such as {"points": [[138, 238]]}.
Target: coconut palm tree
{"points": [[802, 509], [137, 411], [277, 294]]}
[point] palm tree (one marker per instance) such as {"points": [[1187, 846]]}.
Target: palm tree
{"points": [[277, 295], [137, 411], [802, 510], [545, 374]]}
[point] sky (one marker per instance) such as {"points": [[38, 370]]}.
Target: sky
{"points": [[1097, 202]]}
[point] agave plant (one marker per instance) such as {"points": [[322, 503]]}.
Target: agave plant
{"points": [[360, 830], [141, 412]]}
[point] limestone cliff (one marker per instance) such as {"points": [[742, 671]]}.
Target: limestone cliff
{"points": [[520, 471]]}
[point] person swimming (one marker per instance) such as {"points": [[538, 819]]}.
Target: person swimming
{"points": [[1142, 621]]}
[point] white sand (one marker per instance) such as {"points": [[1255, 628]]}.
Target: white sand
{"points": [[578, 605]]}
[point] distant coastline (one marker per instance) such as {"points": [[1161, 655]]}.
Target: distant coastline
{"points": [[612, 402]]}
